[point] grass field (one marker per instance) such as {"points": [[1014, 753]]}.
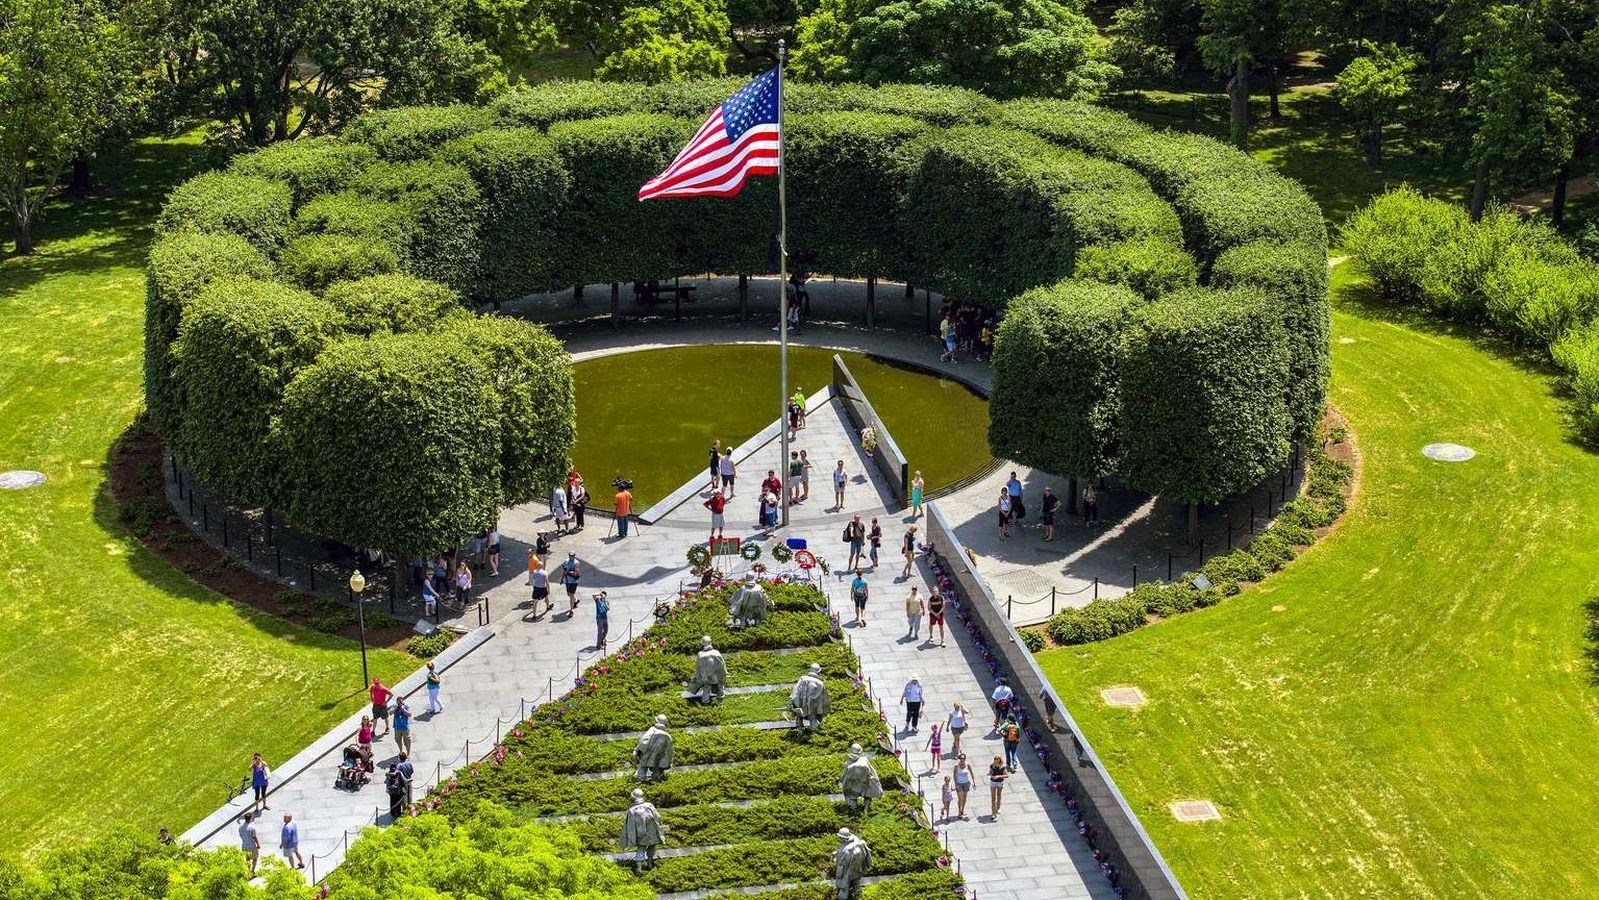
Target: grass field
{"points": [[130, 694], [1406, 711], [652, 415]]}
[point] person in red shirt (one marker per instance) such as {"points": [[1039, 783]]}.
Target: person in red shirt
{"points": [[380, 704], [717, 505], [772, 484]]}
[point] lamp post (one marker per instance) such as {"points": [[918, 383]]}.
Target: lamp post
{"points": [[357, 585]]}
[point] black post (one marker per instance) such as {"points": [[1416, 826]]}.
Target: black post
{"points": [[616, 303], [360, 616], [1168, 565], [1007, 606], [1135, 575], [393, 589], [1096, 587], [1052, 601], [205, 518], [224, 527], [743, 297], [871, 301], [927, 308], [280, 562]]}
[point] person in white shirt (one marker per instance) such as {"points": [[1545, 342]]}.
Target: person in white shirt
{"points": [[912, 698], [1003, 697]]}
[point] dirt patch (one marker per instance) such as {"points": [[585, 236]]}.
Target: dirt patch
{"points": [[138, 490]]}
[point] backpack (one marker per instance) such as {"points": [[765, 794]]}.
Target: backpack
{"points": [[847, 534], [857, 591], [1012, 733]]}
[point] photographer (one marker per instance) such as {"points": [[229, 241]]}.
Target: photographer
{"points": [[624, 504]]}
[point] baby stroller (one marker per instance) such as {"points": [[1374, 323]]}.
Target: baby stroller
{"points": [[356, 769]]}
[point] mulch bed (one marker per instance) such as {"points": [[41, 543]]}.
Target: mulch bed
{"points": [[137, 488]]}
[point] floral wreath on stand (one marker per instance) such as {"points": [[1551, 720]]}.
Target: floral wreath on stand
{"points": [[698, 557], [751, 551], [781, 553], [869, 439]]}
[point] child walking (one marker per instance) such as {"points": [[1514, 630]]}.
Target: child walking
{"points": [[935, 748], [946, 796]]}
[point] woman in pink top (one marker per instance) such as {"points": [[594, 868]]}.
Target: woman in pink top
{"points": [[364, 736]]}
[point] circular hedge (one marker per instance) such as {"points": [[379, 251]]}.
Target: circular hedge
{"points": [[1169, 293]]}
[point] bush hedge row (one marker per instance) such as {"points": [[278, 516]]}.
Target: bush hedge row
{"points": [[1516, 275], [1318, 506]]}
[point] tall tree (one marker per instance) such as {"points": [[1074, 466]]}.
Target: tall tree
{"points": [[1372, 88], [667, 41], [1030, 47], [1236, 35], [65, 72]]}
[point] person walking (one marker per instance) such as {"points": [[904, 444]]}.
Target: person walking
{"points": [[408, 772], [855, 537], [946, 796], [997, 773], [1046, 515], [580, 503], [494, 550], [602, 620], [1004, 508], [716, 464], [912, 698], [718, 507], [840, 478], [1011, 734], [799, 401], [728, 471], [805, 470], [946, 330], [402, 724], [935, 615], [624, 508], [430, 597], [964, 778], [935, 749], [956, 725], [874, 541], [1090, 504], [908, 550], [541, 591], [1048, 701], [858, 592], [571, 571], [380, 704], [558, 508], [289, 842], [433, 685], [250, 842], [914, 608], [1003, 697], [463, 583], [1014, 488], [917, 486], [260, 778], [533, 564], [796, 472], [364, 735]]}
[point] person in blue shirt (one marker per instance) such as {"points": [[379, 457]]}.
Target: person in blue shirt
{"points": [[858, 592], [1014, 486], [407, 772], [602, 620], [402, 725], [289, 842]]}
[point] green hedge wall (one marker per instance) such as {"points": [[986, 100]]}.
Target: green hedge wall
{"points": [[410, 133], [310, 167], [394, 304], [241, 342], [1204, 375], [1056, 395], [526, 192], [256, 209], [180, 266], [854, 229], [392, 442], [446, 207], [314, 261], [1152, 266]]}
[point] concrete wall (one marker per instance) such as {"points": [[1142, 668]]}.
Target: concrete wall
{"points": [[888, 458]]}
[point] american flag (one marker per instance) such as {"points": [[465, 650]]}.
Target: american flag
{"points": [[740, 138]]}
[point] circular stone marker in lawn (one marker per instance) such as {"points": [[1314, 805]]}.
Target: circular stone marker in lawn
{"points": [[650, 415], [18, 479], [1448, 452]]}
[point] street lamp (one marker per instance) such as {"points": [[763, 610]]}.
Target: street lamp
{"points": [[357, 585]]}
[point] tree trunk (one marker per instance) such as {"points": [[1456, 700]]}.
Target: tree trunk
{"points": [[1479, 192], [22, 228], [1557, 208], [1193, 522], [1071, 495], [1275, 111], [1238, 93], [1374, 142], [79, 185]]}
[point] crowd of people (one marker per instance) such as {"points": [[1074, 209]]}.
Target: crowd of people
{"points": [[966, 328], [1011, 507]]}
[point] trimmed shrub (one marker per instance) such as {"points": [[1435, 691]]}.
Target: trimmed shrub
{"points": [[530, 373], [1295, 274], [1233, 567], [939, 106], [609, 234], [1092, 129], [310, 166], [1152, 266], [526, 192], [1272, 550], [1204, 377], [394, 304], [314, 261], [241, 342], [853, 228], [1033, 639], [563, 101], [256, 209], [1056, 398], [181, 266], [1539, 300], [1099, 620], [1224, 211], [444, 203], [392, 442], [411, 133]]}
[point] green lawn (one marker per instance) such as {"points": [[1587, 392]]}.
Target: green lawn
{"points": [[652, 415], [130, 694], [1406, 711]]}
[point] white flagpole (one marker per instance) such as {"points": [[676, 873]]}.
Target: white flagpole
{"points": [[782, 289]]}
